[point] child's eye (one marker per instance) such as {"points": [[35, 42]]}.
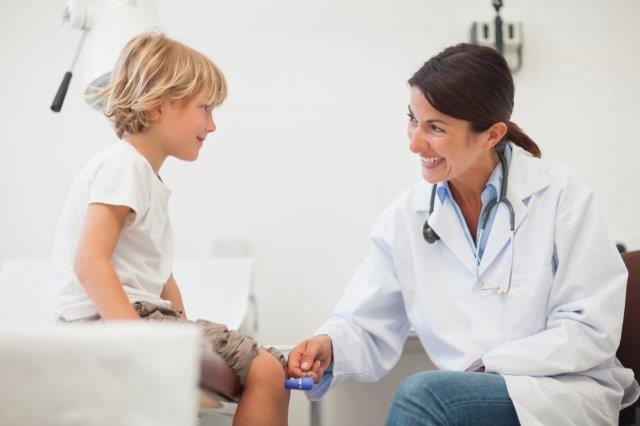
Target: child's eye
{"points": [[206, 107]]}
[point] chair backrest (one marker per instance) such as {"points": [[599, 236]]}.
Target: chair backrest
{"points": [[216, 289], [99, 374], [29, 291], [629, 350]]}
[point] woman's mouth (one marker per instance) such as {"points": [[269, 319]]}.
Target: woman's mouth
{"points": [[431, 162]]}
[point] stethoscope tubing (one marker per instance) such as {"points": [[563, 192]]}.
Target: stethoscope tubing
{"points": [[431, 236]]}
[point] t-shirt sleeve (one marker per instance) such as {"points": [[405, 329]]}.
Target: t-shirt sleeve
{"points": [[122, 181]]}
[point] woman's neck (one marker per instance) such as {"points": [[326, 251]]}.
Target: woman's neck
{"points": [[467, 189]]}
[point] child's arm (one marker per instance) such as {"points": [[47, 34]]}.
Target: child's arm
{"points": [[171, 292], [93, 265]]}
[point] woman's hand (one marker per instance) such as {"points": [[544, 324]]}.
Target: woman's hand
{"points": [[476, 367], [311, 357]]}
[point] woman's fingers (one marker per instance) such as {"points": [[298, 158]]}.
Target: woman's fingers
{"points": [[310, 357], [294, 361], [317, 371], [320, 346], [312, 352]]}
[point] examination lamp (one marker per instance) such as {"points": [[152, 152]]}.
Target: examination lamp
{"points": [[505, 37], [106, 26]]}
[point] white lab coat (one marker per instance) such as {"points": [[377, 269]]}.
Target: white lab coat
{"points": [[553, 336]]}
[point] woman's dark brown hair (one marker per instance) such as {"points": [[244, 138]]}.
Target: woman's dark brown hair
{"points": [[472, 83]]}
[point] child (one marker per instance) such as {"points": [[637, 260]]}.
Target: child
{"points": [[114, 236]]}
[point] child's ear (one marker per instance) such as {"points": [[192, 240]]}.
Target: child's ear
{"points": [[156, 113]]}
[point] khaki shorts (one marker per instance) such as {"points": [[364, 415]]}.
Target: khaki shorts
{"points": [[235, 348]]}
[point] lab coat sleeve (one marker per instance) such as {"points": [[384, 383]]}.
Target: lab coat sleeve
{"points": [[369, 326], [586, 301]]}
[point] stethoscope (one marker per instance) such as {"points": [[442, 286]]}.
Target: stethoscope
{"points": [[431, 236]]}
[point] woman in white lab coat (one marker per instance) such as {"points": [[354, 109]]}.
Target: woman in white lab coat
{"points": [[523, 317]]}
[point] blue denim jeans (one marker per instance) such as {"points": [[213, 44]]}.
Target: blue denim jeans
{"points": [[452, 398]]}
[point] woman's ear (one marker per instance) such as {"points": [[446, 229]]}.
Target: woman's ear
{"points": [[495, 134]]}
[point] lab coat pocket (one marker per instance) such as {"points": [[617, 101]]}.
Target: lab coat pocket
{"points": [[526, 302]]}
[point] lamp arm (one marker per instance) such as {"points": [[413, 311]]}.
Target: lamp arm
{"points": [[58, 100]]}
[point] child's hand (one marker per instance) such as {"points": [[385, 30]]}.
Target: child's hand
{"points": [[311, 358]]}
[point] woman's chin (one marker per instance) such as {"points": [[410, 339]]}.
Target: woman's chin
{"points": [[431, 177]]}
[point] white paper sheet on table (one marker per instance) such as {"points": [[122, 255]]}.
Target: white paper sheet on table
{"points": [[215, 289]]}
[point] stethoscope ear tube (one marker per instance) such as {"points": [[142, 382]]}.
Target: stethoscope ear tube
{"points": [[428, 233]]}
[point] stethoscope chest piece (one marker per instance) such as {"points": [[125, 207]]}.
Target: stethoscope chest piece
{"points": [[429, 234]]}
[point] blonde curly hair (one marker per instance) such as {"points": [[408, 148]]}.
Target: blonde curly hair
{"points": [[152, 69]]}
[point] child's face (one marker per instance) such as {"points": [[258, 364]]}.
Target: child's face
{"points": [[183, 127]]}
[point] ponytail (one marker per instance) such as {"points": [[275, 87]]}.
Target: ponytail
{"points": [[520, 138]]}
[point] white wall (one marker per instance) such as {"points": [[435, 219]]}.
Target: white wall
{"points": [[311, 143]]}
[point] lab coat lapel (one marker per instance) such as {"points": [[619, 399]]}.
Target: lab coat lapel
{"points": [[444, 220], [526, 177], [501, 231]]}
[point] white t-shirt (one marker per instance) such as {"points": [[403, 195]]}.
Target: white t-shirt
{"points": [[142, 258]]}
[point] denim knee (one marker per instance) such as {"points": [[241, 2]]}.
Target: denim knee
{"points": [[426, 382], [416, 401], [449, 397]]}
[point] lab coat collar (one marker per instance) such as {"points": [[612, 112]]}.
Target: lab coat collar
{"points": [[526, 177]]}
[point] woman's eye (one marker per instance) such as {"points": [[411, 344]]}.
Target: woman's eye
{"points": [[412, 118], [435, 129]]}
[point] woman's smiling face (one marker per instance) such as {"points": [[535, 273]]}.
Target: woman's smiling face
{"points": [[448, 149]]}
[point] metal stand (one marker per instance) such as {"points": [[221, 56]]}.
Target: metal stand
{"points": [[315, 413]]}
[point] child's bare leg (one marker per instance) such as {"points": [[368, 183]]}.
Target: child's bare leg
{"points": [[264, 401]]}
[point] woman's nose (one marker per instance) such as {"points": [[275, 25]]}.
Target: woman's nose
{"points": [[416, 142]]}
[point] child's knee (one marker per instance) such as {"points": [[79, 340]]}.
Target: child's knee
{"points": [[266, 369]]}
